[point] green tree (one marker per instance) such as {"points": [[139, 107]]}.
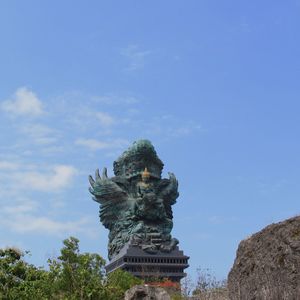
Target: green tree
{"points": [[71, 276], [20, 280], [75, 275], [118, 282]]}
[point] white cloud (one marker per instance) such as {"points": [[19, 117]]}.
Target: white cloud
{"points": [[41, 134], [112, 99], [8, 165], [60, 177], [24, 102], [19, 208], [23, 223], [15, 179], [20, 218], [184, 130], [171, 127], [136, 57], [99, 145], [21, 213], [105, 119]]}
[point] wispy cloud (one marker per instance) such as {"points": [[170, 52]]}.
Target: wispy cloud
{"points": [[135, 56], [55, 179], [24, 217], [171, 127], [91, 123], [23, 223], [105, 119], [19, 177], [113, 99], [21, 207], [21, 184], [8, 165], [94, 144], [24, 102], [40, 134]]}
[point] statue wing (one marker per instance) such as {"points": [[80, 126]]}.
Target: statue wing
{"points": [[111, 194], [168, 191]]}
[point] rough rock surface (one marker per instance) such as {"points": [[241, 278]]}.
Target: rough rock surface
{"points": [[144, 292], [267, 265]]}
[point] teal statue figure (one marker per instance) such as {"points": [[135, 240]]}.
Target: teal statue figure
{"points": [[136, 204]]}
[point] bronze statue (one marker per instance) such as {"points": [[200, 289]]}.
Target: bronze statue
{"points": [[136, 203]]}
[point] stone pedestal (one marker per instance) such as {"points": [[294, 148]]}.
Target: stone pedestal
{"points": [[150, 266]]}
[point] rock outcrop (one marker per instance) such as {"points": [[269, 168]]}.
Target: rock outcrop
{"points": [[267, 265], [145, 292]]}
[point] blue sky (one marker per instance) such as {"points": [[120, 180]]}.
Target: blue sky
{"points": [[213, 84]]}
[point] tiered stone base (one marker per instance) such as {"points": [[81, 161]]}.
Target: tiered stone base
{"points": [[149, 267]]}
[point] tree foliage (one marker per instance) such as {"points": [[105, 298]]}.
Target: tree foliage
{"points": [[18, 279], [72, 275]]}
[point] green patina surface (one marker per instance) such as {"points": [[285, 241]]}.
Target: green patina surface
{"points": [[136, 203]]}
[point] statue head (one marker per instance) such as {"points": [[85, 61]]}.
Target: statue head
{"points": [[133, 161]]}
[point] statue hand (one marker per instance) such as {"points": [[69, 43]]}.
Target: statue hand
{"points": [[168, 190], [173, 181], [172, 188]]}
